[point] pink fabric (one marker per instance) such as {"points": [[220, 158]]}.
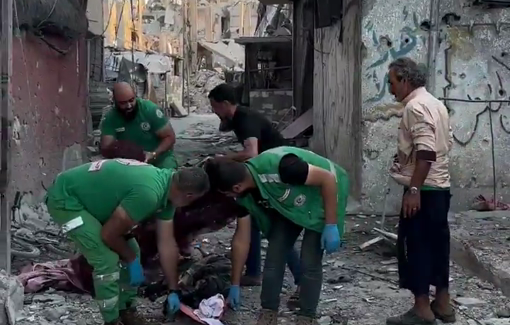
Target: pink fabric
{"points": [[58, 275]]}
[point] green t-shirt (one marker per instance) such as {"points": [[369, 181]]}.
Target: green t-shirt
{"points": [[101, 186], [141, 130]]}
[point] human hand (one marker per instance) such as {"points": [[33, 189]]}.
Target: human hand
{"points": [[149, 156], [234, 297], [410, 204], [136, 276], [173, 303], [330, 239]]}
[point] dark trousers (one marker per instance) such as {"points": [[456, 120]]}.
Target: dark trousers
{"points": [[424, 244], [282, 236], [253, 260]]}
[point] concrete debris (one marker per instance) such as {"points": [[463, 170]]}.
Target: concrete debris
{"points": [[11, 298], [200, 86], [469, 302]]}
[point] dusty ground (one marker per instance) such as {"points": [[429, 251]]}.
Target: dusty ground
{"points": [[359, 286]]}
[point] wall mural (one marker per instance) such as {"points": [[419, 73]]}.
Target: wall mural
{"points": [[390, 50]]}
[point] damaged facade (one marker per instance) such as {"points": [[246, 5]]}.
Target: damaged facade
{"points": [[463, 43], [49, 92]]}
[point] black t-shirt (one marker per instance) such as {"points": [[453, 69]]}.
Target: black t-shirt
{"points": [[248, 123], [292, 170]]}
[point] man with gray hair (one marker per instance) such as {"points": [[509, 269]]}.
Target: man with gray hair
{"points": [[424, 141]]}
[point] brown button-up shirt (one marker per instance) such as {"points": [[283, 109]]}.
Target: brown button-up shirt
{"points": [[425, 126]]}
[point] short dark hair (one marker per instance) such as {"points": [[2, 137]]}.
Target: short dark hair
{"points": [[408, 69], [224, 173], [191, 180], [223, 92]]}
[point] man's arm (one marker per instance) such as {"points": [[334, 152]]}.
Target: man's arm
{"points": [[249, 134], [250, 150], [295, 171], [167, 136], [240, 248], [137, 206], [424, 141], [163, 129], [113, 231], [107, 134], [168, 252]]}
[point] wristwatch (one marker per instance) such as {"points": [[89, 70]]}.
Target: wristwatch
{"points": [[413, 190]]}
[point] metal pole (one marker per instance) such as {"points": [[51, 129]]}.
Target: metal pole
{"points": [[493, 150], [5, 109]]}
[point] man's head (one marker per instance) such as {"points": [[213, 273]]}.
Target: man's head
{"points": [[405, 75], [223, 101], [124, 98], [188, 184], [230, 177]]}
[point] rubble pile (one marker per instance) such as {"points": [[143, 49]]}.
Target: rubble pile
{"points": [[200, 85], [11, 298]]}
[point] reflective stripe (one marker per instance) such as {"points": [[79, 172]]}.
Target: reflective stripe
{"points": [[108, 304], [72, 224], [107, 277], [285, 195]]}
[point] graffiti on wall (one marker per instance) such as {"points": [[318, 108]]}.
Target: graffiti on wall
{"points": [[408, 39], [495, 90]]}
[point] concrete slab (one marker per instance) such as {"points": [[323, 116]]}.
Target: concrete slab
{"points": [[480, 243]]}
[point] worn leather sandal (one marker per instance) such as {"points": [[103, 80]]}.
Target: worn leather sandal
{"points": [[448, 317], [409, 318]]}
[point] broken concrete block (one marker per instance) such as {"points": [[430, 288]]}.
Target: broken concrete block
{"points": [[469, 302], [497, 321], [11, 298]]}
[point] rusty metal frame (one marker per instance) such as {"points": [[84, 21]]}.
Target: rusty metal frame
{"points": [[5, 116]]}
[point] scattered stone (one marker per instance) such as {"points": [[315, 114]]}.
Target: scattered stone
{"points": [[340, 279], [503, 313], [325, 320], [469, 302], [11, 298], [497, 321]]}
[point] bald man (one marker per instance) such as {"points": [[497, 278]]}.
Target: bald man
{"points": [[138, 122]]}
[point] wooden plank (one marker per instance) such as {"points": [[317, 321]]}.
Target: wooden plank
{"points": [[337, 94], [300, 125], [5, 116]]}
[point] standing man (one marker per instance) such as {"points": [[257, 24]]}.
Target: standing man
{"points": [[256, 133], [140, 123], [424, 141], [285, 190], [98, 203]]}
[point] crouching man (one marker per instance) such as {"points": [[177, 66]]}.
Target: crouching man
{"points": [[285, 190], [96, 204]]}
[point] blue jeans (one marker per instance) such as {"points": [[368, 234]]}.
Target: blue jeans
{"points": [[253, 260]]}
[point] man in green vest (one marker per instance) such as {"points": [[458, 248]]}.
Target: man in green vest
{"points": [[99, 203], [285, 190], [140, 123]]}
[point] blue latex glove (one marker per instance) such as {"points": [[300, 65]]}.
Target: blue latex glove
{"points": [[173, 303], [234, 297], [330, 239], [136, 276]]}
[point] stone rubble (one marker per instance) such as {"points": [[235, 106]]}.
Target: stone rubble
{"points": [[360, 287], [11, 298], [200, 86]]}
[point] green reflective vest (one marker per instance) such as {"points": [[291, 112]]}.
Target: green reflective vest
{"points": [[301, 204]]}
